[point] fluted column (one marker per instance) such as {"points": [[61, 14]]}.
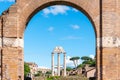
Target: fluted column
{"points": [[52, 61], [64, 64], [58, 64]]}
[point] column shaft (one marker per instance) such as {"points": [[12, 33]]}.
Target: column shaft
{"points": [[58, 64], [52, 61], [64, 64]]}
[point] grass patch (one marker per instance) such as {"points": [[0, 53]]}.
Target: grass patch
{"points": [[67, 78]]}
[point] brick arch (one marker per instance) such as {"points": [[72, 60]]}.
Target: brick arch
{"points": [[92, 13], [29, 11], [19, 15], [104, 15]]}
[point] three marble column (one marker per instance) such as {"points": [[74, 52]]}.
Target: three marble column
{"points": [[58, 65]]}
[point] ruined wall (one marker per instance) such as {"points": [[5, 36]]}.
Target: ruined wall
{"points": [[111, 39], [104, 15], [0, 48], [14, 23], [12, 54]]}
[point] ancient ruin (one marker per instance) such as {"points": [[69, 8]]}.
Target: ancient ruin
{"points": [[103, 14], [58, 50]]}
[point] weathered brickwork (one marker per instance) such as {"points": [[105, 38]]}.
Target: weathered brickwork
{"points": [[110, 63], [0, 47], [0, 63], [111, 29], [103, 14]]}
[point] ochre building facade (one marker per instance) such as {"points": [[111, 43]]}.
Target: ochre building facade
{"points": [[103, 14]]}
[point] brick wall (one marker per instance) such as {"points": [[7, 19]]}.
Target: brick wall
{"points": [[107, 30]]}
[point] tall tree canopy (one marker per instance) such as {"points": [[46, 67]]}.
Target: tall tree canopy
{"points": [[88, 60], [75, 60]]}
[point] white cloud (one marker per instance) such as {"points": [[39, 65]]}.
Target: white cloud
{"points": [[7, 0], [75, 26], [75, 10], [71, 38], [50, 29], [70, 63], [92, 56], [55, 10]]}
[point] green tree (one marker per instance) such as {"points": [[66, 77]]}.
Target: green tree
{"points": [[88, 60], [75, 60], [39, 73], [48, 72], [68, 68], [26, 69], [81, 66], [93, 63]]}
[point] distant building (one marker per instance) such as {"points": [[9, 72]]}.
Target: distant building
{"points": [[90, 71], [77, 71], [33, 67], [43, 70]]}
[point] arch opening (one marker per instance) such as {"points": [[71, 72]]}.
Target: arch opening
{"points": [[80, 9]]}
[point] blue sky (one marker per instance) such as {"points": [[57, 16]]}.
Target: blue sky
{"points": [[56, 26]]}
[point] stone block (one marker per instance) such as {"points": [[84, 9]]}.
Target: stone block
{"points": [[13, 42], [108, 42]]}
